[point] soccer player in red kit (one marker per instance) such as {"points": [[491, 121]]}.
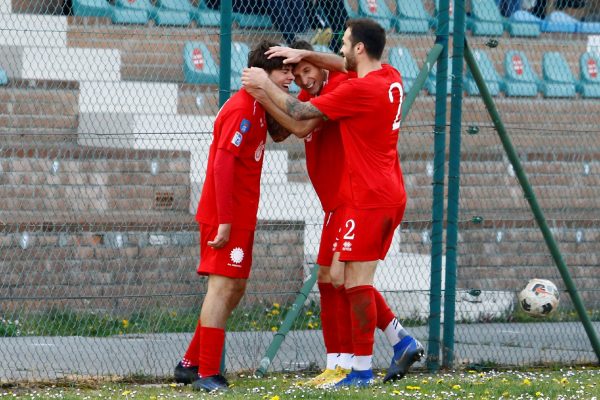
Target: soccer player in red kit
{"points": [[227, 215], [368, 110]]}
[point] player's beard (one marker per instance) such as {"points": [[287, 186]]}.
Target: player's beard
{"points": [[350, 62]]}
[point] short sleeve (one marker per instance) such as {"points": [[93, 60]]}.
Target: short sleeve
{"points": [[348, 99], [304, 95], [234, 127]]}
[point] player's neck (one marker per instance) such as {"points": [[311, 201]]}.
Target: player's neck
{"points": [[367, 66]]}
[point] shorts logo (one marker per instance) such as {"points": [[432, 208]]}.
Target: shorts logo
{"points": [[259, 151], [236, 255], [237, 139], [347, 246], [244, 125]]}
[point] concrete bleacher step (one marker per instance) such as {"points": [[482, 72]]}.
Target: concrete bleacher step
{"points": [[84, 179], [39, 107]]}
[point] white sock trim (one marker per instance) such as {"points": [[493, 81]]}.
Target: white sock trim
{"points": [[362, 363], [332, 360], [345, 360]]}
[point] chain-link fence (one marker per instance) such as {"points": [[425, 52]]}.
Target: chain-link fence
{"points": [[106, 114]]}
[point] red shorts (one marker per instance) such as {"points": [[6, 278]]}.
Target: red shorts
{"points": [[331, 226], [366, 234], [233, 261]]}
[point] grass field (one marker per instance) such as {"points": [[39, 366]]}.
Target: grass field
{"points": [[571, 383]]}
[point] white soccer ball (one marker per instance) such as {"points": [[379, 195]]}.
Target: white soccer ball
{"points": [[539, 298]]}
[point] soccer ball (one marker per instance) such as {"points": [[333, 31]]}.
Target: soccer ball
{"points": [[539, 298]]}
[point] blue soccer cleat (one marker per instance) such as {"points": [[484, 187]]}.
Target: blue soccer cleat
{"points": [[357, 379], [185, 375], [214, 383], [406, 352]]}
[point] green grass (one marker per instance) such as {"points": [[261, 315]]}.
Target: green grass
{"points": [[576, 383]]}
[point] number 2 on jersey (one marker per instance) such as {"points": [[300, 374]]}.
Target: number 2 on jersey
{"points": [[350, 225], [396, 85]]}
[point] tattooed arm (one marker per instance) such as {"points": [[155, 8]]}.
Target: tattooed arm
{"points": [[257, 78]]}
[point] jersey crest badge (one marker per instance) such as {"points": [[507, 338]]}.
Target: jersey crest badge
{"points": [[244, 126]]}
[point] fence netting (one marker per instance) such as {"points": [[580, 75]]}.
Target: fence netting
{"points": [[106, 117]]}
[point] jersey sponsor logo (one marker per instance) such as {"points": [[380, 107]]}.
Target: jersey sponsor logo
{"points": [[244, 126], [237, 139], [236, 256], [259, 151]]}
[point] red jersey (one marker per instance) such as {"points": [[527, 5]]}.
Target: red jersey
{"points": [[368, 111], [324, 151], [241, 129]]}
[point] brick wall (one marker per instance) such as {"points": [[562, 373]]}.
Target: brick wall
{"points": [[66, 266]]}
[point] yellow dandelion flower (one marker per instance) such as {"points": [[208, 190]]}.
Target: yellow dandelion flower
{"points": [[310, 325], [126, 393], [424, 381], [505, 394], [439, 381], [275, 312], [538, 394], [413, 388], [173, 385], [308, 313], [276, 305], [273, 329], [456, 387], [125, 323], [564, 381], [526, 382], [275, 397], [396, 392]]}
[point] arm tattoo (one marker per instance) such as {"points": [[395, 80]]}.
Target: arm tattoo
{"points": [[277, 132], [300, 110]]}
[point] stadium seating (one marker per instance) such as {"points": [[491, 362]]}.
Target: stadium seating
{"points": [[92, 8], [352, 13], [205, 16], [589, 83], [136, 12], [3, 77], [411, 17], [162, 14], [559, 21], [589, 27], [377, 10], [430, 82], [251, 21], [401, 59], [435, 19], [485, 19], [198, 64], [558, 79], [490, 75], [519, 79], [523, 23]]}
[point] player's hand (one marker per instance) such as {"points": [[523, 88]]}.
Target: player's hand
{"points": [[291, 56], [254, 77], [257, 93], [222, 237]]}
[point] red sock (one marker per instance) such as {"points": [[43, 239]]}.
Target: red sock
{"points": [[211, 350], [329, 300], [384, 314], [190, 359], [364, 319], [344, 321]]}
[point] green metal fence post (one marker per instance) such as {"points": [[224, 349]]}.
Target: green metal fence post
{"points": [[411, 96], [224, 80], [453, 182], [437, 206], [532, 199], [286, 325], [225, 53]]}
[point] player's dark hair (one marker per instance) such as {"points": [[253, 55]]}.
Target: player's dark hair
{"points": [[257, 57], [370, 33], [302, 45]]}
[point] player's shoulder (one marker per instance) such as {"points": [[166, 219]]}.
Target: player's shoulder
{"points": [[242, 102]]}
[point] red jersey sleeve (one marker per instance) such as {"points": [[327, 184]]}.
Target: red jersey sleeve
{"points": [[234, 127], [344, 101], [304, 95]]}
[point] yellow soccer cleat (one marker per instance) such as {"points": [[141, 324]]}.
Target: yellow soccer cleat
{"points": [[340, 373], [324, 376]]}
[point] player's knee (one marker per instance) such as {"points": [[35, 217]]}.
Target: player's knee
{"points": [[323, 275]]}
